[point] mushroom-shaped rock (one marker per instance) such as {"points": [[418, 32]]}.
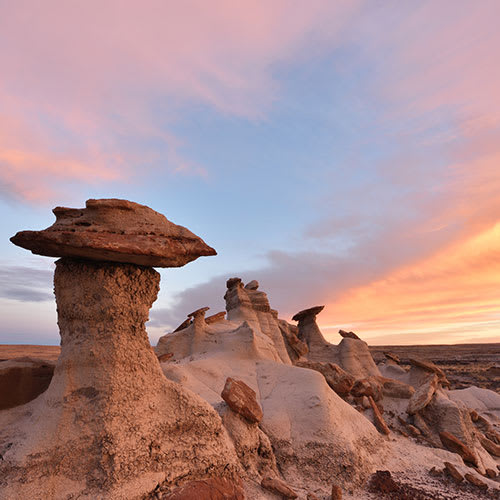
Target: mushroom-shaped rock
{"points": [[309, 331], [309, 313], [110, 422], [117, 231], [199, 313]]}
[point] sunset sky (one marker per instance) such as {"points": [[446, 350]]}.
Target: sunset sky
{"points": [[341, 153]]}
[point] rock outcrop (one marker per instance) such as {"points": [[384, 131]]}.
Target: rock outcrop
{"points": [[252, 306], [109, 425]]}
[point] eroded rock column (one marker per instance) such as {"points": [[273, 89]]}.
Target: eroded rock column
{"points": [[110, 425]]}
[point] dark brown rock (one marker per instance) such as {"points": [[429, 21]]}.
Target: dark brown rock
{"points": [[338, 379], [306, 313], [435, 472], [215, 317], [165, 357], [491, 473], [378, 418], [117, 231], [336, 492], [454, 444], [23, 379], [312, 496], [183, 325], [348, 335], [233, 282], [213, 488], [432, 368], [423, 395], [453, 472], [242, 400], [392, 357], [395, 389], [199, 313], [491, 447], [382, 482], [369, 386], [473, 479], [279, 487]]}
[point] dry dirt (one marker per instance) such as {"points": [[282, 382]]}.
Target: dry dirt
{"points": [[464, 364]]}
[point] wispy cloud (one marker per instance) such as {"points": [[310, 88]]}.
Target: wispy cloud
{"points": [[26, 284]]}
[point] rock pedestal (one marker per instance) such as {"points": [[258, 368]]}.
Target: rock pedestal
{"points": [[110, 425]]}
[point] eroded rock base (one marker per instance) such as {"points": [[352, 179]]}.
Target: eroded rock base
{"points": [[110, 425]]}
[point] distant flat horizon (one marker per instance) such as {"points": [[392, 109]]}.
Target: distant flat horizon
{"points": [[340, 153]]}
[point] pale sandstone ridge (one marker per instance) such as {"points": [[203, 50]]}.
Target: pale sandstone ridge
{"points": [[110, 425], [307, 435], [117, 231]]}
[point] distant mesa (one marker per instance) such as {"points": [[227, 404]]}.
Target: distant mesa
{"points": [[115, 230]]}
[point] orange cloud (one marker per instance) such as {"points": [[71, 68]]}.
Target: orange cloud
{"points": [[450, 297]]}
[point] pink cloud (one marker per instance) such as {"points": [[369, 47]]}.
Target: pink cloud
{"points": [[95, 68]]}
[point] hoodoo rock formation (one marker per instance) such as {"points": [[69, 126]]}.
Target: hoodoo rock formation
{"points": [[240, 404], [110, 425]]}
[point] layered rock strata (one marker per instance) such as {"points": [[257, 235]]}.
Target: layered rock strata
{"points": [[117, 231]]}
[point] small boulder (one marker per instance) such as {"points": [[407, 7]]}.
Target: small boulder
{"points": [[242, 400], [348, 335], [165, 357], [491, 473], [213, 488], [423, 395], [455, 445], [453, 472], [369, 386], [432, 368], [393, 357], [473, 479], [278, 486], [378, 418], [215, 318], [336, 492], [337, 378], [252, 285], [491, 447], [392, 388]]}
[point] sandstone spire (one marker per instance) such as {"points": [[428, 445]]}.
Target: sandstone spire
{"points": [[110, 424]]}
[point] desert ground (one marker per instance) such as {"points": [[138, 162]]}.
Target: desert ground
{"points": [[464, 364]]}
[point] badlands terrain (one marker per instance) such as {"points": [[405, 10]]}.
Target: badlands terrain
{"points": [[232, 404]]}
